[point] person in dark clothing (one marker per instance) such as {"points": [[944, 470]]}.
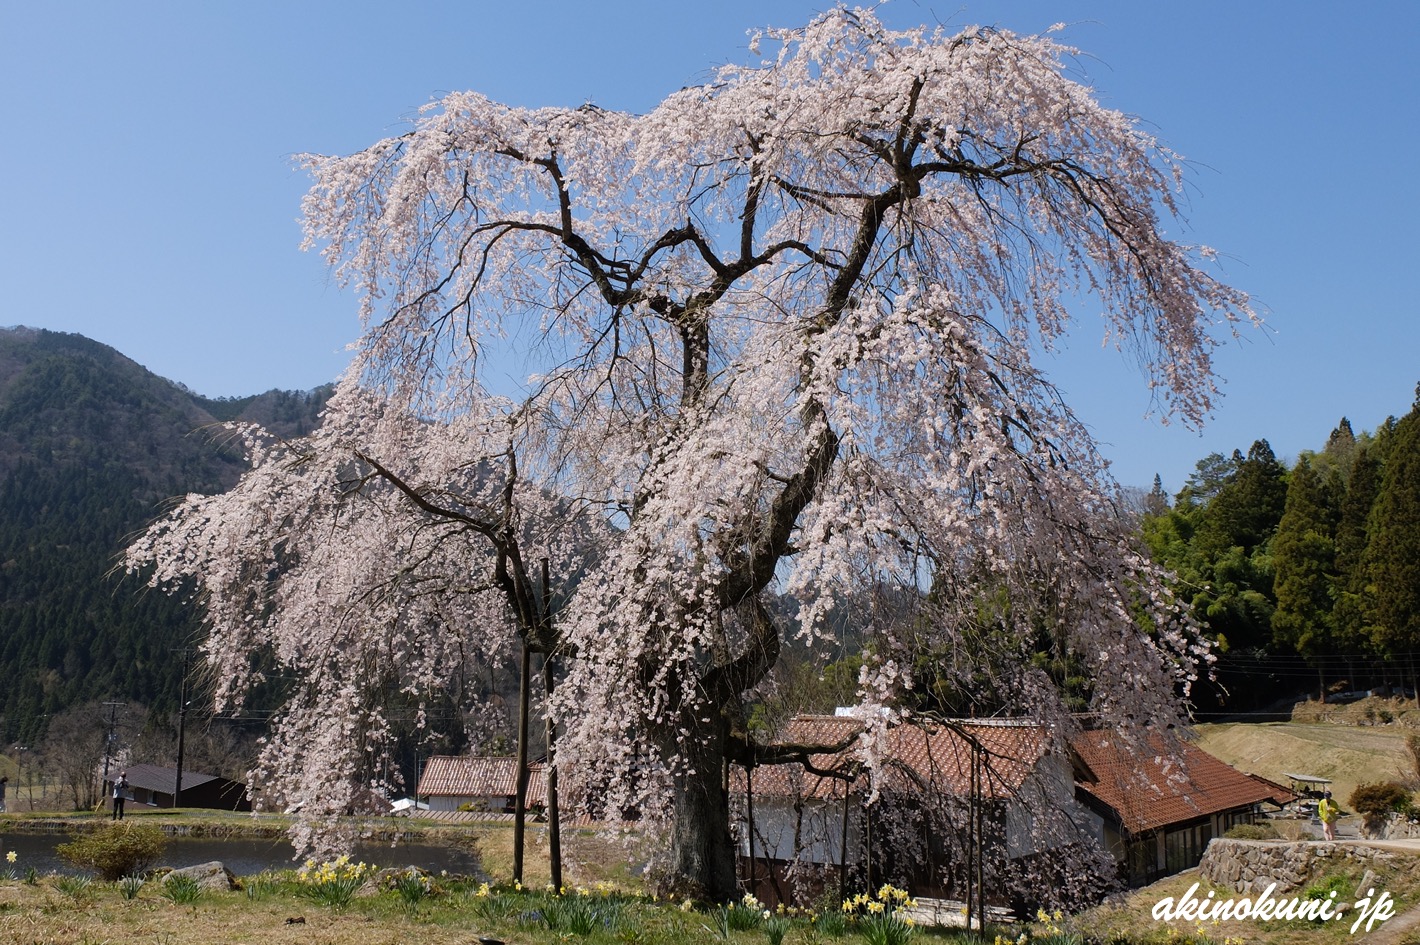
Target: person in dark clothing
{"points": [[3, 781], [120, 794]]}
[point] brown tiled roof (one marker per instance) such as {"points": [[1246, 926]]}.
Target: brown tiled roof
{"points": [[1155, 785], [1281, 795], [919, 756], [488, 776]]}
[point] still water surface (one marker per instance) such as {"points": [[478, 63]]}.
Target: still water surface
{"points": [[242, 856]]}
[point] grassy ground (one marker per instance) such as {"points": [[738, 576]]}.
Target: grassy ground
{"points": [[1347, 754], [272, 909], [1131, 919]]}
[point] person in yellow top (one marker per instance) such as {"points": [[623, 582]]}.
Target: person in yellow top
{"points": [[1327, 811]]}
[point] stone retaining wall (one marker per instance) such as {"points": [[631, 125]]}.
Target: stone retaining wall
{"points": [[1394, 827], [1251, 866]]}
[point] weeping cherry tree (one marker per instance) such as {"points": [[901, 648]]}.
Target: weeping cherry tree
{"points": [[780, 337]]}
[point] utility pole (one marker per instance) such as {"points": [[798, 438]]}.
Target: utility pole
{"points": [[111, 735], [182, 727]]}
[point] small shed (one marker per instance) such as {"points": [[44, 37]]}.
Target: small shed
{"points": [[154, 786]]}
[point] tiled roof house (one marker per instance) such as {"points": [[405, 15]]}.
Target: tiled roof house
{"points": [[487, 783], [1153, 810], [1160, 805], [798, 817]]}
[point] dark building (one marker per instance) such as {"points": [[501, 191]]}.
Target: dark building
{"points": [[153, 786]]}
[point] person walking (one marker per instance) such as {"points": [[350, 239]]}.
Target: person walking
{"points": [[1327, 812], [120, 794], [3, 781]]}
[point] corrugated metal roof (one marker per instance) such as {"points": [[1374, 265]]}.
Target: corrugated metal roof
{"points": [[162, 780]]}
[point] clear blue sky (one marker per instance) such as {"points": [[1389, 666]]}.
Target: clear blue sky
{"points": [[149, 199]]}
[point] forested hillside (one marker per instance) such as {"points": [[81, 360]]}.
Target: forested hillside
{"points": [[1308, 577], [91, 446]]}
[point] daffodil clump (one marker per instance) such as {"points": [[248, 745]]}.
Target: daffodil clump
{"points": [[11, 859], [878, 916], [333, 883], [749, 913]]}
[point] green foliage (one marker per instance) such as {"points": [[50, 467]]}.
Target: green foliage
{"points": [[75, 887], [492, 905], [261, 885], [1320, 560], [1335, 883], [831, 922], [334, 883], [1304, 558], [581, 915], [775, 928], [885, 929], [116, 850], [130, 886], [744, 917], [878, 917], [182, 889], [1393, 548], [1354, 607], [413, 887], [720, 916], [1380, 798], [1217, 539]]}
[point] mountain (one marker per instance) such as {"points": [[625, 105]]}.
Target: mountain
{"points": [[91, 447]]}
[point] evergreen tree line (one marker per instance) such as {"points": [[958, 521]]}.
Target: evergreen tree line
{"points": [[1308, 578]]}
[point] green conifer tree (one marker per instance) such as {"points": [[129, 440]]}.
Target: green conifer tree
{"points": [[1393, 548], [1304, 563]]}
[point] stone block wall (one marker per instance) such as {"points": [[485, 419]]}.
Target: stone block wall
{"points": [[1250, 866]]}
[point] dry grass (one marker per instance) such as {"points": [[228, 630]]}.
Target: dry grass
{"points": [[1347, 754], [45, 914]]}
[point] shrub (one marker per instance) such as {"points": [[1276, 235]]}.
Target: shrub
{"points": [[118, 850], [1252, 832], [1380, 798]]}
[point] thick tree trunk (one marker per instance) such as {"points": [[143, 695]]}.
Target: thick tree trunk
{"points": [[702, 851]]}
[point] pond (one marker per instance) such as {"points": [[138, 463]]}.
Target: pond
{"points": [[242, 856]]}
